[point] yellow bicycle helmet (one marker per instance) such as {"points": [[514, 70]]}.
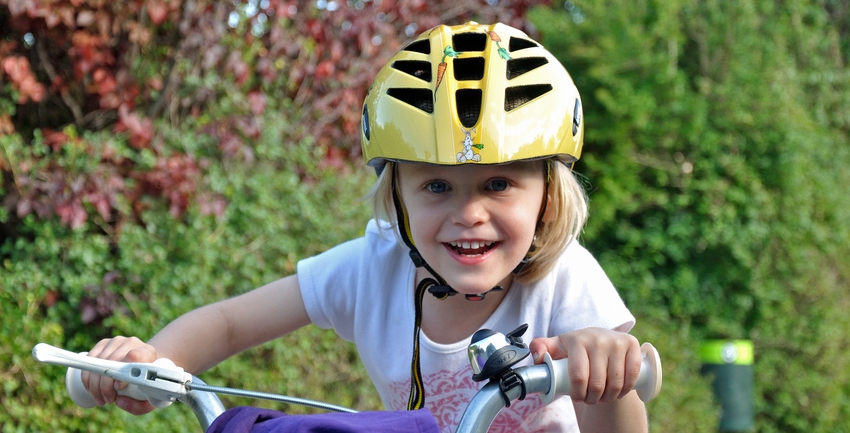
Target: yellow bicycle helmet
{"points": [[472, 93]]}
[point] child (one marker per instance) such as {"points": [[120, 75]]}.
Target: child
{"points": [[473, 130]]}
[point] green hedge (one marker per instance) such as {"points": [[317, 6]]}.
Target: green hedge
{"points": [[716, 159], [71, 287]]}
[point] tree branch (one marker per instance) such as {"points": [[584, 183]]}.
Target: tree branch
{"points": [[51, 73]]}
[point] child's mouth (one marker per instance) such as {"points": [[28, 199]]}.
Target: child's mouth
{"points": [[474, 248]]}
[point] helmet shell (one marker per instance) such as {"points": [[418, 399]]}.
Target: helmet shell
{"points": [[472, 93]]}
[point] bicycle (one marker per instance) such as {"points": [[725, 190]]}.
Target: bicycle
{"points": [[492, 357]]}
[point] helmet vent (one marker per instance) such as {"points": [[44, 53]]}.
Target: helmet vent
{"points": [[517, 44], [468, 106], [469, 42], [417, 68], [517, 67], [364, 123], [422, 46], [518, 96], [576, 117], [469, 69], [419, 98]]}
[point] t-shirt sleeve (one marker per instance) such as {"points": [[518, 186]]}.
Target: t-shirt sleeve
{"points": [[327, 286], [592, 300], [343, 286]]}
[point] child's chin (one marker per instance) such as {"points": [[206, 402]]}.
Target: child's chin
{"points": [[475, 289], [476, 284]]}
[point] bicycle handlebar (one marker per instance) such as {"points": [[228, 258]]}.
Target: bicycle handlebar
{"points": [[162, 383]]}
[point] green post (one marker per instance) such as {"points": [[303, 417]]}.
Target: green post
{"points": [[730, 362]]}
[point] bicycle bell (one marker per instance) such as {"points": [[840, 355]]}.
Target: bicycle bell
{"points": [[491, 353]]}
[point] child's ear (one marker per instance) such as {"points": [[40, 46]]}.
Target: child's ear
{"points": [[549, 214]]}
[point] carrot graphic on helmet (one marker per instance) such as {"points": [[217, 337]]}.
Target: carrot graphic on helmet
{"points": [[441, 68], [503, 53]]}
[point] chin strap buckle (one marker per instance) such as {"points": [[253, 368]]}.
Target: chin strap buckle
{"points": [[480, 296], [443, 292]]}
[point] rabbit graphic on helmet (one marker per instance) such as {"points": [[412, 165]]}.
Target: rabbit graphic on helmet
{"points": [[467, 154]]}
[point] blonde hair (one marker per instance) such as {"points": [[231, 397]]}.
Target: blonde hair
{"points": [[566, 214]]}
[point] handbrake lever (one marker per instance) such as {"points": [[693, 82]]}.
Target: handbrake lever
{"points": [[160, 382]]}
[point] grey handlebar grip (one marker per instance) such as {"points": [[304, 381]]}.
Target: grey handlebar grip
{"points": [[647, 386]]}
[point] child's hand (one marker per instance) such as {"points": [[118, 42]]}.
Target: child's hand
{"points": [[103, 389], [603, 364]]}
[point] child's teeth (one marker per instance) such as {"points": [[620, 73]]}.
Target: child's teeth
{"points": [[469, 245]]}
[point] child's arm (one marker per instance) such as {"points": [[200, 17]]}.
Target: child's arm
{"points": [[604, 367], [202, 338]]}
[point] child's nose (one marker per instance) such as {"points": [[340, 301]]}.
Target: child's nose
{"points": [[471, 211]]}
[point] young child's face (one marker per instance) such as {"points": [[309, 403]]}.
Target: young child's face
{"points": [[472, 223]]}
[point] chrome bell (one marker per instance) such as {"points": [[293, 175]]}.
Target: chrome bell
{"points": [[492, 353]]}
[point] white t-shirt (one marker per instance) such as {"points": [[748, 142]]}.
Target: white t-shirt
{"points": [[364, 290]]}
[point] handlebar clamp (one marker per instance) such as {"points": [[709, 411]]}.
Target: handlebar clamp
{"points": [[508, 381]]}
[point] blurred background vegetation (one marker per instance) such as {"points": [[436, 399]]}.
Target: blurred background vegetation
{"points": [[158, 155]]}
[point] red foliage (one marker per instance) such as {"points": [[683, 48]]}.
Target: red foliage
{"points": [[140, 129], [22, 78], [111, 65], [175, 178]]}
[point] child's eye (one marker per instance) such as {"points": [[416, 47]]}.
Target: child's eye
{"points": [[498, 185], [437, 187]]}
